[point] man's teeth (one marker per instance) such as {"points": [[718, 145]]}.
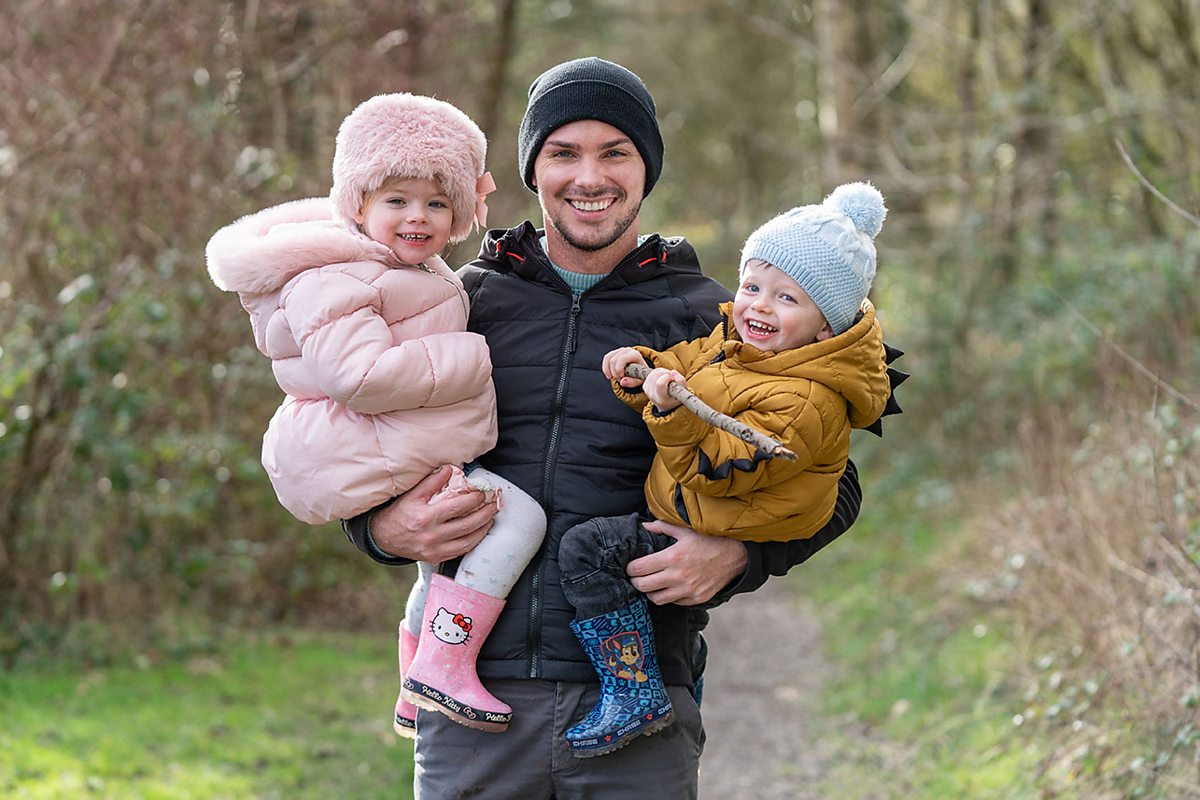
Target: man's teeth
{"points": [[591, 205]]}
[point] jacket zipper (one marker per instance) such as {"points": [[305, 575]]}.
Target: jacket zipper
{"points": [[560, 395]]}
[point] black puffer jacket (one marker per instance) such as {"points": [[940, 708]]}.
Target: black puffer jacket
{"points": [[573, 446]]}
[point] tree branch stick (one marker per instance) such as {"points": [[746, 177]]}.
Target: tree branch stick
{"points": [[710, 415]]}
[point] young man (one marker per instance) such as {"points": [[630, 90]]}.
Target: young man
{"points": [[551, 304]]}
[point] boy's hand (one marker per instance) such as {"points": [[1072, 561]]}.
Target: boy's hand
{"points": [[656, 385], [615, 362]]}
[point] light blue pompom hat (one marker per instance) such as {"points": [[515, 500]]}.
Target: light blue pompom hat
{"points": [[828, 249]]}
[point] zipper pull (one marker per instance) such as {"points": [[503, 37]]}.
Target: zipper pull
{"points": [[575, 308]]}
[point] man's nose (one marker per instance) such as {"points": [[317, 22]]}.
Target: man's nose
{"points": [[589, 173]]}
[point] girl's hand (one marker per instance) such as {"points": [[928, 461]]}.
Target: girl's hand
{"points": [[656, 385], [615, 362]]}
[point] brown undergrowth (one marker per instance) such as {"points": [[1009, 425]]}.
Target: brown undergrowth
{"points": [[1098, 557]]}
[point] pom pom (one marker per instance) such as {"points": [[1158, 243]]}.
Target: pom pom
{"points": [[862, 203]]}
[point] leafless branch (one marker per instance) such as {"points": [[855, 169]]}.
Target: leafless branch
{"points": [[707, 413]]}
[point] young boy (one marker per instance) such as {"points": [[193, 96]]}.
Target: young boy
{"points": [[799, 356]]}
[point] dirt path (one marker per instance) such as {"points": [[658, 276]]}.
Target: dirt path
{"points": [[761, 695]]}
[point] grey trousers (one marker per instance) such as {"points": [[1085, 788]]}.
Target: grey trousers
{"points": [[531, 760]]}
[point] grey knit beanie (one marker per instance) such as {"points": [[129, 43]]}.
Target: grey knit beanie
{"points": [[828, 249], [590, 88]]}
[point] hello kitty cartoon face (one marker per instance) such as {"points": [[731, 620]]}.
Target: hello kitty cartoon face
{"points": [[450, 628]]}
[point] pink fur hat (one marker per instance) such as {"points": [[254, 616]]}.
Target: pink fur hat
{"points": [[411, 136]]}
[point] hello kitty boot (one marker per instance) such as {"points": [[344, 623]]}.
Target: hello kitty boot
{"points": [[442, 675], [405, 723]]}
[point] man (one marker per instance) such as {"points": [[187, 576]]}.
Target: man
{"points": [[551, 305]]}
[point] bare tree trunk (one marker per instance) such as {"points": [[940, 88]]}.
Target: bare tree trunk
{"points": [[1031, 209], [968, 225], [847, 45], [506, 11]]}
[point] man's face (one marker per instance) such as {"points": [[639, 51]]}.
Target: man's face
{"points": [[590, 180]]}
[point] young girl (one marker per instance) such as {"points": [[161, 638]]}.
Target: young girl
{"points": [[366, 328]]}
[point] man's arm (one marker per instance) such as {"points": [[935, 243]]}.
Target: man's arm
{"points": [[410, 528], [709, 570]]}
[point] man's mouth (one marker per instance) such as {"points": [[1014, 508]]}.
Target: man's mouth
{"points": [[591, 205]]}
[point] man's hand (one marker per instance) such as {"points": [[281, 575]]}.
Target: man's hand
{"points": [[615, 362], [411, 527], [690, 571]]}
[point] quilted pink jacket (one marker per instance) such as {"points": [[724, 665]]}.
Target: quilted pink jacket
{"points": [[383, 382]]}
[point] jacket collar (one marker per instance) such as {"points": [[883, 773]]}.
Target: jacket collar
{"points": [[519, 250]]}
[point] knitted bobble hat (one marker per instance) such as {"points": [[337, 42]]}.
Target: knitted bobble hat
{"points": [[408, 136], [590, 88], [827, 249]]}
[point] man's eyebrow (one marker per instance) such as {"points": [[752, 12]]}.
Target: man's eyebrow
{"points": [[575, 145]]}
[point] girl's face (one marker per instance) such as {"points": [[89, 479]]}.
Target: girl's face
{"points": [[773, 313], [412, 216]]}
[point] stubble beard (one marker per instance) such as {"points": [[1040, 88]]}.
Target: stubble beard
{"points": [[606, 238]]}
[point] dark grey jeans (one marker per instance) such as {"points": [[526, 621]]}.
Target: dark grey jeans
{"points": [[592, 557], [531, 760]]}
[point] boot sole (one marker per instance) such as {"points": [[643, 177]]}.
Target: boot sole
{"points": [[463, 714], [405, 727], [649, 729]]}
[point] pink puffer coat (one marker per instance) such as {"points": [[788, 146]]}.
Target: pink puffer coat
{"points": [[383, 382]]}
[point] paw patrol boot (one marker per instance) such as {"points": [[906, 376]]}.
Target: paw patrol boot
{"points": [[442, 675], [633, 701], [405, 723]]}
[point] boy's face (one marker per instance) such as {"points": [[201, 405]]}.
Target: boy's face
{"points": [[773, 313], [412, 216]]}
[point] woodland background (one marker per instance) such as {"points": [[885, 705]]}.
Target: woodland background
{"points": [[1041, 163]]}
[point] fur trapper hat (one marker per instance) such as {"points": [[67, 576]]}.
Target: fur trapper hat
{"points": [[411, 136], [828, 249]]}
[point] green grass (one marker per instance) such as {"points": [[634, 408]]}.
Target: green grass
{"points": [[279, 718], [925, 670]]}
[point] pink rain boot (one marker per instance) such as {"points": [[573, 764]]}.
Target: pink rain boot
{"points": [[442, 675], [405, 723]]}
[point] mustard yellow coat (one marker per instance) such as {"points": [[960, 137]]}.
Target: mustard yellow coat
{"points": [[808, 398]]}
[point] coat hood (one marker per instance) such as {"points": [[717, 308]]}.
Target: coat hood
{"points": [[261, 252]]}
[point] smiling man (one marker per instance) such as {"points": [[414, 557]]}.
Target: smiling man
{"points": [[551, 302]]}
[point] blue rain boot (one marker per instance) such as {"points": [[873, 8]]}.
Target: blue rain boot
{"points": [[633, 701]]}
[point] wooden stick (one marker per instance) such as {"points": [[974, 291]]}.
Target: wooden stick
{"points": [[706, 413]]}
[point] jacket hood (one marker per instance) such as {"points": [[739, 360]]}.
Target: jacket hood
{"points": [[852, 364], [263, 251]]}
